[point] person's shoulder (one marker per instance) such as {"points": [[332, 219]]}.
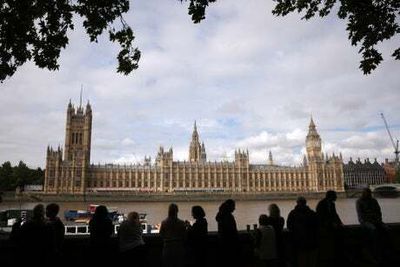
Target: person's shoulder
{"points": [[164, 222], [123, 224], [310, 211], [359, 201], [375, 201], [58, 222], [181, 222]]}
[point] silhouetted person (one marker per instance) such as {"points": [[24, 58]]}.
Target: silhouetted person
{"points": [[265, 243], [131, 245], [197, 238], [35, 240], [101, 228], [277, 221], [370, 217], [330, 233], [15, 232], [56, 228], [302, 223], [227, 235], [173, 233], [326, 212]]}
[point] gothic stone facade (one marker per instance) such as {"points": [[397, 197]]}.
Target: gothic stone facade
{"points": [[360, 175], [71, 172]]}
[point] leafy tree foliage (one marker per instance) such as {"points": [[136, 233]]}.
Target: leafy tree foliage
{"points": [[37, 30], [369, 22], [197, 9], [5, 175], [19, 175]]}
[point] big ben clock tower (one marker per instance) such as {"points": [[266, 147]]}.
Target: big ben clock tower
{"points": [[315, 159], [313, 143]]}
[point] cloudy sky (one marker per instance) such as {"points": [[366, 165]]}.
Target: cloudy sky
{"points": [[251, 80]]}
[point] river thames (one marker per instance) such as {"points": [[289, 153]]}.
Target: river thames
{"points": [[246, 212]]}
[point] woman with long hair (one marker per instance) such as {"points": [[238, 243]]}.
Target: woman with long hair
{"points": [[277, 222], [197, 238], [173, 233]]}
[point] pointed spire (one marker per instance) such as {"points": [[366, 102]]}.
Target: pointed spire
{"points": [[203, 148], [195, 134], [88, 108], [312, 124], [312, 131], [270, 159], [80, 98], [304, 160]]}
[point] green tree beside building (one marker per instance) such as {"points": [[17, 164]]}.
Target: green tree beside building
{"points": [[19, 175]]}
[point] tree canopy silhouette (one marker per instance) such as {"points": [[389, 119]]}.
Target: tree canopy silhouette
{"points": [[369, 22], [37, 29], [18, 175]]}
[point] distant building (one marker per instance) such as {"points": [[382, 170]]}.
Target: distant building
{"points": [[390, 171], [71, 172], [33, 187], [358, 174]]}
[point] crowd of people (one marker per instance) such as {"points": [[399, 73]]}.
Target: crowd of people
{"points": [[312, 235]]}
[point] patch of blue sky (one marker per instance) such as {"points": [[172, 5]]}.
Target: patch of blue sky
{"points": [[229, 122], [364, 130]]}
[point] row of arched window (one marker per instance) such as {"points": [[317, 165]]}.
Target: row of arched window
{"points": [[76, 138]]}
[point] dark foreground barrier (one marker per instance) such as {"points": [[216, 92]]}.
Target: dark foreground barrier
{"points": [[354, 250]]}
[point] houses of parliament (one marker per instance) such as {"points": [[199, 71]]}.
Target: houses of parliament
{"points": [[69, 171]]}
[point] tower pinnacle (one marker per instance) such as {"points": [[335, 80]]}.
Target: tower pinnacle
{"points": [[270, 159], [80, 98], [312, 131], [312, 124], [313, 142], [196, 150]]}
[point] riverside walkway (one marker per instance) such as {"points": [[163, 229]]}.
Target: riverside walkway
{"points": [[354, 249]]}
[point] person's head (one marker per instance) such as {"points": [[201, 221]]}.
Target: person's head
{"points": [[173, 210], [263, 219], [274, 211], [101, 212], [331, 195], [52, 210], [38, 212], [301, 201], [133, 217], [198, 212], [366, 193], [230, 205]]}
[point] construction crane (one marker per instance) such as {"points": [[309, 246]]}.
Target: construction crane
{"points": [[395, 145]]}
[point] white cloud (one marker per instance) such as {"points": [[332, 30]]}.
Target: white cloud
{"points": [[250, 79], [127, 141]]}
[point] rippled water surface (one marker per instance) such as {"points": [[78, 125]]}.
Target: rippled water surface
{"points": [[246, 212]]}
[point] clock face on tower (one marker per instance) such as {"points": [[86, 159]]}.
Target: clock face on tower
{"points": [[314, 143]]}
